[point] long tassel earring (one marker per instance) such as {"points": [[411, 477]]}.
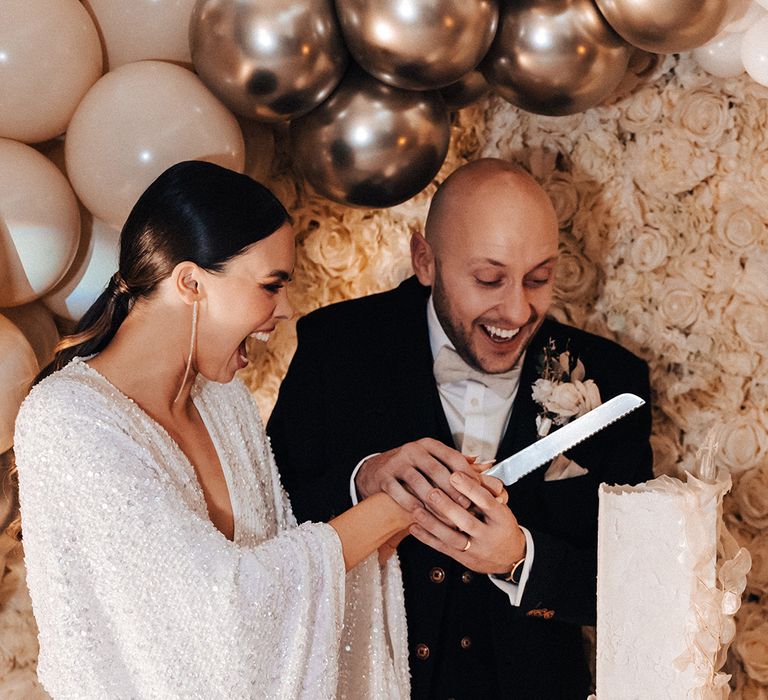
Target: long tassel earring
{"points": [[192, 342]]}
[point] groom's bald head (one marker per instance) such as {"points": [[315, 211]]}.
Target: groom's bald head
{"points": [[489, 253]]}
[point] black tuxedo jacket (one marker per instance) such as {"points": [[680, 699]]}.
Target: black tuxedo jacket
{"points": [[361, 382]]}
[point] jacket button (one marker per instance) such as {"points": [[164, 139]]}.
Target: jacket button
{"points": [[466, 577], [436, 575], [465, 642], [422, 652]]}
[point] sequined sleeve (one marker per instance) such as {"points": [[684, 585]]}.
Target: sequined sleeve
{"points": [[137, 596]]}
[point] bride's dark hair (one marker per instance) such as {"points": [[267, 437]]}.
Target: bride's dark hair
{"points": [[194, 211]]}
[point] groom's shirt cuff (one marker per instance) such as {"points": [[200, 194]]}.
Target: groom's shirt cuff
{"points": [[352, 487], [515, 590]]}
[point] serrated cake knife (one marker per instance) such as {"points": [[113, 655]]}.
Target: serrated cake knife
{"points": [[513, 468]]}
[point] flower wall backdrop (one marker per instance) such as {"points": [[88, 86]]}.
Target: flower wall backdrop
{"points": [[662, 196]]}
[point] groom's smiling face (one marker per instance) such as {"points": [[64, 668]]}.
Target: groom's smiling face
{"points": [[489, 256]]}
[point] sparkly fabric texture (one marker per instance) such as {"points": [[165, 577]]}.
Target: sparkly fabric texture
{"points": [[137, 595]]}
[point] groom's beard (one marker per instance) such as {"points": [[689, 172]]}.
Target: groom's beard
{"points": [[461, 334]]}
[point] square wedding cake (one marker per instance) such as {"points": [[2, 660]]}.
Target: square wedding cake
{"points": [[663, 622]]}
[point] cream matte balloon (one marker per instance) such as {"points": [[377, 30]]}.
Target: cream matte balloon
{"points": [[754, 51], [135, 30], [665, 26], [270, 60], [39, 224], [555, 57], [465, 91], [418, 44], [136, 122], [96, 261], [36, 322], [50, 54], [721, 56], [17, 371], [371, 144]]}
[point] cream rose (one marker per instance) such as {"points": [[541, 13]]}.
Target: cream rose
{"points": [[743, 442], [335, 250], [575, 277], [751, 495], [668, 162], [679, 303], [564, 196], [752, 646], [738, 225], [704, 114], [757, 579], [642, 110], [750, 322], [567, 399], [750, 690], [650, 249], [594, 153], [753, 280]]}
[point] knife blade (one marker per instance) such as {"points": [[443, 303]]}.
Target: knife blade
{"points": [[513, 468]]}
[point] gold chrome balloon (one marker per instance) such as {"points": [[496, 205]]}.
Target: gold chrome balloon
{"points": [[665, 26], [555, 57], [418, 44], [269, 60], [465, 91], [371, 144]]}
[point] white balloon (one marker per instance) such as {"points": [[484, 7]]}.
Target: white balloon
{"points": [[96, 262], [721, 56], [36, 322], [745, 15], [754, 51], [39, 224], [17, 370]]}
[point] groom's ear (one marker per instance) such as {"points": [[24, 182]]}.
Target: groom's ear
{"points": [[423, 259]]}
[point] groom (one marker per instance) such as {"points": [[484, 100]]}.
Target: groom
{"points": [[380, 391]]}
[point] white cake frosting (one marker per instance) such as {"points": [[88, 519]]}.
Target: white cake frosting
{"points": [[663, 621]]}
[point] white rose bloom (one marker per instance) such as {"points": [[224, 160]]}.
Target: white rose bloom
{"points": [[680, 304], [704, 114], [743, 443], [642, 110], [737, 225], [650, 249], [668, 162], [751, 494], [757, 579]]}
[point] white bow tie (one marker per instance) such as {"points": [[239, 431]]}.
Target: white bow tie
{"points": [[449, 368]]}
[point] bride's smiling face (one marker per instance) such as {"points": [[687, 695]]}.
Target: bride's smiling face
{"points": [[246, 299]]}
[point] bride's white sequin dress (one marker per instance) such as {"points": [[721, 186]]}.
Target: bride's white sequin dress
{"points": [[137, 594]]}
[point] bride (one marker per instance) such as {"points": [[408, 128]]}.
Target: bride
{"points": [[163, 557]]}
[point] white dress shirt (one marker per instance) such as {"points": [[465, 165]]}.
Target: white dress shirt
{"points": [[477, 417]]}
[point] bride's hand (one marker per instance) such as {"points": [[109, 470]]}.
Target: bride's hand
{"points": [[491, 483]]}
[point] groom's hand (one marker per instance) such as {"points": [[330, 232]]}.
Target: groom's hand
{"points": [[410, 472], [488, 544]]}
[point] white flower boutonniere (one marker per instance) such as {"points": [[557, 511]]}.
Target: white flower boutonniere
{"points": [[561, 390]]}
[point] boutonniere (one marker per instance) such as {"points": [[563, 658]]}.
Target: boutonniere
{"points": [[561, 390]]}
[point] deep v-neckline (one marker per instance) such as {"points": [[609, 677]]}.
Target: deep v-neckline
{"points": [[175, 447]]}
